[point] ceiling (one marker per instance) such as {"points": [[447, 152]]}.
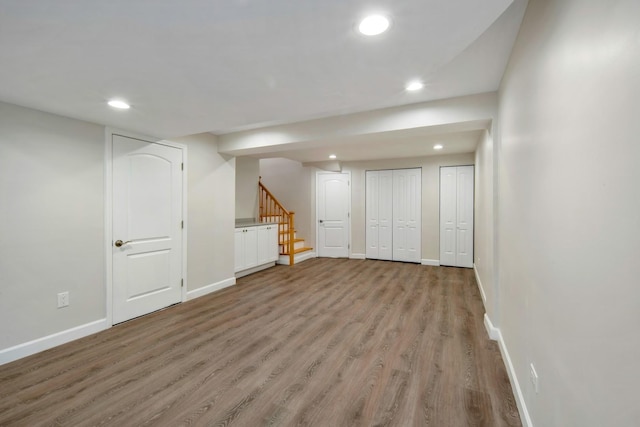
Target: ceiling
{"points": [[220, 66]]}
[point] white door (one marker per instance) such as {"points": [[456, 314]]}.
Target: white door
{"points": [[147, 227], [448, 208], [456, 216], [464, 225], [407, 215], [333, 214], [379, 211]]}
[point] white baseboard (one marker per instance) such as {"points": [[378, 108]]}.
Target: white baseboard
{"points": [[45, 343], [200, 292], [305, 256], [496, 334], [433, 262], [357, 256], [484, 296]]}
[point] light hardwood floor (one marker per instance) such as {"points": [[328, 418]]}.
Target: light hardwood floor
{"points": [[328, 342]]}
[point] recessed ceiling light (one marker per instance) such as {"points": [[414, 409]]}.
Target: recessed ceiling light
{"points": [[332, 156], [414, 86], [373, 25], [116, 103], [437, 147]]}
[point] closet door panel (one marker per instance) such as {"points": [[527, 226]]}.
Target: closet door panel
{"points": [[448, 202], [385, 215], [371, 211]]}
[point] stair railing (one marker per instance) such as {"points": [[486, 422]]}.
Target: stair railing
{"points": [[270, 207]]}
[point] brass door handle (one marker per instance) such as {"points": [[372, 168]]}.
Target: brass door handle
{"points": [[119, 243]]}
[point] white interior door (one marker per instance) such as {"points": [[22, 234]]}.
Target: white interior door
{"points": [[379, 212], [464, 224], [333, 197], [147, 227], [448, 208], [407, 215], [456, 216]]}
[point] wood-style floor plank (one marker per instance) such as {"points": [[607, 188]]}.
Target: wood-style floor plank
{"points": [[328, 342]]}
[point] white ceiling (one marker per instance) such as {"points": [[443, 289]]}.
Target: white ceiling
{"points": [[192, 66]]}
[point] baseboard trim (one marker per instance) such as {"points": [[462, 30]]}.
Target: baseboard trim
{"points": [[496, 335], [45, 343], [357, 256], [205, 290], [484, 296], [433, 262]]}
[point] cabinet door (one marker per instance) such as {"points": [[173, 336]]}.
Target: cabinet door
{"points": [[274, 249], [239, 249], [251, 247], [263, 244]]}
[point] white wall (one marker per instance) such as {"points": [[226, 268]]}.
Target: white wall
{"points": [[484, 237], [246, 189], [294, 186], [569, 208], [430, 197], [51, 223], [211, 212]]}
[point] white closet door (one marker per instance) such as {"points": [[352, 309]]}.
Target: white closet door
{"points": [[407, 212], [464, 241], [372, 196], [448, 207], [385, 215], [456, 216], [379, 211]]}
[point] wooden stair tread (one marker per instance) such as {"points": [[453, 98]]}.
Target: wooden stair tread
{"points": [[294, 241], [297, 251]]}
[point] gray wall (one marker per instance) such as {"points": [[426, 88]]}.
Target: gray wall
{"points": [[51, 223], [210, 212], [569, 204], [246, 189]]}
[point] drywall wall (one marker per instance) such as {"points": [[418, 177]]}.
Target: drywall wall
{"points": [[569, 204], [246, 190], [484, 218], [430, 197], [294, 186], [210, 212], [51, 223]]}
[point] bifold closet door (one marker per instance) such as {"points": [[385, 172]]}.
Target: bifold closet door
{"points": [[379, 193], [394, 214], [456, 216], [407, 215]]}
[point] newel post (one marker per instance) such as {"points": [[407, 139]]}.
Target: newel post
{"points": [[291, 234]]}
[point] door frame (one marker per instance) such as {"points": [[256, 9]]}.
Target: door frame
{"points": [[317, 224], [108, 214]]}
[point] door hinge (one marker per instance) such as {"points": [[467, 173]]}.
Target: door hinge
{"points": [[182, 283], [182, 224], [349, 246], [182, 166], [348, 214]]}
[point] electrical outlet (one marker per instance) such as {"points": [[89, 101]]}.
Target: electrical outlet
{"points": [[63, 299], [533, 375]]}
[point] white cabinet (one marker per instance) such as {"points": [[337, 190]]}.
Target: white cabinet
{"points": [[456, 216], [393, 214], [255, 246]]}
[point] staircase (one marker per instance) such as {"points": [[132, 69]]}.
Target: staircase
{"points": [[292, 247]]}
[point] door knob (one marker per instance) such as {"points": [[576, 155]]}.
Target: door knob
{"points": [[320, 221], [119, 243]]}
